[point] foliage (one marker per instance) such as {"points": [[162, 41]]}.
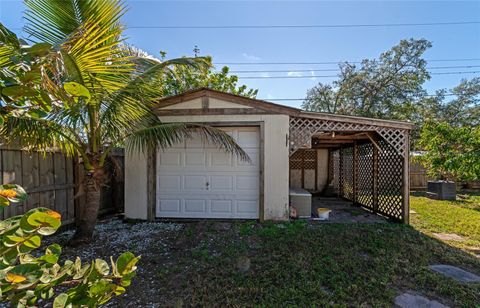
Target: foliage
{"points": [[462, 110], [453, 153], [25, 75], [387, 87], [26, 277], [102, 92], [188, 78]]}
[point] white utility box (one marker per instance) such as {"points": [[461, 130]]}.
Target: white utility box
{"points": [[302, 201]]}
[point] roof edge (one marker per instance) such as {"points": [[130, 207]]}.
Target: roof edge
{"points": [[278, 108]]}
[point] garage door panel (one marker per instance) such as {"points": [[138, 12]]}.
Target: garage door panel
{"points": [[169, 182], [171, 158], [248, 139], [221, 182], [194, 182], [195, 206], [221, 206], [169, 205], [254, 155], [196, 142], [247, 206], [219, 159], [196, 158], [247, 183], [201, 181]]}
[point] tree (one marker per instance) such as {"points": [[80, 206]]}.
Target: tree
{"points": [[387, 87], [450, 136], [101, 93], [462, 110], [188, 78], [451, 152]]}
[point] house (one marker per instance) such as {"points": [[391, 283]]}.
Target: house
{"points": [[361, 159]]}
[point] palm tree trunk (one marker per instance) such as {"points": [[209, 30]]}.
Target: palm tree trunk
{"points": [[86, 219]]}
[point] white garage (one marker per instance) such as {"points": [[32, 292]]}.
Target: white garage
{"points": [[364, 160], [197, 180]]}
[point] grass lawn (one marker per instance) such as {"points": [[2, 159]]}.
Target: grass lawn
{"points": [[461, 217], [206, 263]]}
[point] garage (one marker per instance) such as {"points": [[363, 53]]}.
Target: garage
{"points": [[362, 160], [197, 180]]}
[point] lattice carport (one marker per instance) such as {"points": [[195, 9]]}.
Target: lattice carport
{"points": [[368, 158]]}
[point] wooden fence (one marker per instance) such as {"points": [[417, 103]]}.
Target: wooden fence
{"points": [[418, 177], [52, 180]]}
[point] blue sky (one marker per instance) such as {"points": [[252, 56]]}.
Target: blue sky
{"points": [[298, 45]]}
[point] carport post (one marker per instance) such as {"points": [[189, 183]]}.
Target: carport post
{"points": [[340, 171], [375, 179], [355, 172], [406, 180]]}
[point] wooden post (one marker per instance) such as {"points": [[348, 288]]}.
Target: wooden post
{"points": [[303, 168], [329, 167], [151, 183], [406, 180], [375, 179], [261, 197], [316, 169], [340, 173], [355, 173]]}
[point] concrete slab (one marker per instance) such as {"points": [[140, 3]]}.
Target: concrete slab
{"points": [[448, 237], [411, 300], [455, 273]]}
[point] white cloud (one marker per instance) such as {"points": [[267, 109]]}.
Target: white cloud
{"points": [[265, 74], [312, 73], [250, 57], [295, 74]]}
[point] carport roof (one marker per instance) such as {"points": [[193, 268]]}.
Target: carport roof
{"points": [[277, 108]]}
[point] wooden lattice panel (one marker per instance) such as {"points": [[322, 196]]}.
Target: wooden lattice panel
{"points": [[390, 182], [304, 159], [365, 175], [347, 173], [302, 129], [335, 161]]}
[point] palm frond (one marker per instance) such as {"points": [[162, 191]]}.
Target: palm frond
{"points": [[9, 46], [133, 103], [164, 135], [40, 134], [51, 21], [88, 32]]}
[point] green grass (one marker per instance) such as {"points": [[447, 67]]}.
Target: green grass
{"points": [[328, 264], [460, 217], [310, 264]]}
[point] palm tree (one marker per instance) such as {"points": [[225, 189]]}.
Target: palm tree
{"points": [[100, 93]]}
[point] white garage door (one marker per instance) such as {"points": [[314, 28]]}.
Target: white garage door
{"points": [[196, 180]]}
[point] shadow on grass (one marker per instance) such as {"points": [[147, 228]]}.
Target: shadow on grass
{"points": [[307, 265]]}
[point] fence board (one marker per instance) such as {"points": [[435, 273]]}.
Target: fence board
{"points": [[52, 180]]}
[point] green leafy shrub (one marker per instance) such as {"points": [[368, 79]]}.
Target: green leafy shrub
{"points": [[26, 277], [451, 153]]}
